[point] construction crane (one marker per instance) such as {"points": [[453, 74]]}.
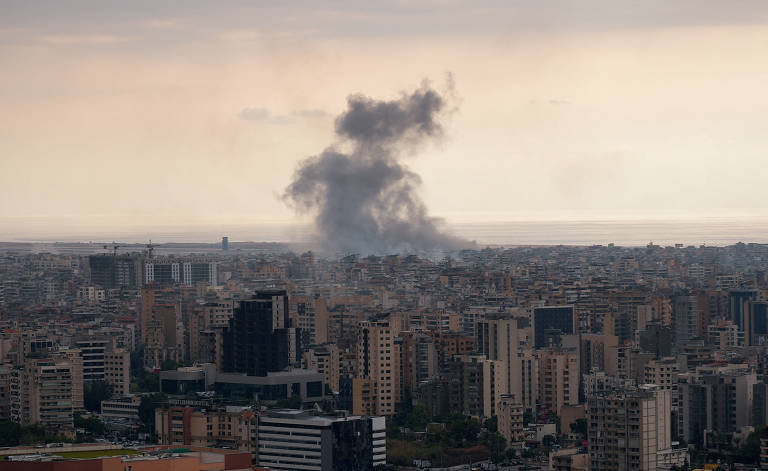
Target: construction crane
{"points": [[114, 248], [150, 248]]}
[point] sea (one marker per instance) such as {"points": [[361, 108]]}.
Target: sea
{"points": [[720, 231]]}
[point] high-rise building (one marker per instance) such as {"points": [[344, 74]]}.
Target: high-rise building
{"points": [[324, 359], [685, 320], [102, 362], [225, 243], [377, 368], [180, 271], [259, 339], [41, 393], [737, 304], [551, 322], [498, 339], [715, 399], [558, 378], [510, 418], [755, 325], [293, 439], [598, 351], [627, 428], [115, 271]]}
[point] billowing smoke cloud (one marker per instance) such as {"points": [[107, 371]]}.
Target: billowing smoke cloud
{"points": [[364, 198]]}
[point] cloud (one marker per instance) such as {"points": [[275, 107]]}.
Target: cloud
{"points": [[164, 23], [96, 39], [265, 115], [311, 113], [255, 114]]}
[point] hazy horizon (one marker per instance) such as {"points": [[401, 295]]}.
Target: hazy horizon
{"points": [[713, 231]]}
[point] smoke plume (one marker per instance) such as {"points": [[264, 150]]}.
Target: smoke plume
{"points": [[364, 197]]}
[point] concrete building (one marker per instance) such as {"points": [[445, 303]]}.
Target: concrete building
{"points": [[294, 439], [126, 407], [550, 322], [259, 338], [509, 412], [598, 351], [102, 362], [180, 271], [498, 339], [627, 428], [724, 334], [325, 360], [377, 369], [41, 393], [716, 400], [307, 385], [558, 373], [215, 427]]}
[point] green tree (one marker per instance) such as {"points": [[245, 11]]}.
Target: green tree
{"points": [[293, 402], [147, 408], [497, 445], [9, 433], [91, 425], [418, 418], [94, 392], [528, 418], [492, 424], [749, 452], [463, 431], [579, 426]]}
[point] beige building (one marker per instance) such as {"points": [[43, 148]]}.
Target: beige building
{"points": [[628, 428], [662, 372], [495, 381], [117, 371], [377, 363], [598, 352], [568, 459], [324, 359], [75, 356], [232, 426], [41, 393], [558, 378], [311, 315], [509, 412]]}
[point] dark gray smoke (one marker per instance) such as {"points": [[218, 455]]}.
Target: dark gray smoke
{"points": [[366, 200]]}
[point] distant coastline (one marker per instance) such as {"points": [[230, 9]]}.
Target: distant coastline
{"points": [[630, 233]]}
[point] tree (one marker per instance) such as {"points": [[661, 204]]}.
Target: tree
{"points": [[528, 418], [293, 402], [147, 408], [9, 433], [145, 382], [579, 426], [418, 418], [496, 444], [91, 425], [749, 452], [94, 392], [492, 424], [462, 431]]}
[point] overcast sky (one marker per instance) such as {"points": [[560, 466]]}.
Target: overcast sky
{"points": [[119, 113]]}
